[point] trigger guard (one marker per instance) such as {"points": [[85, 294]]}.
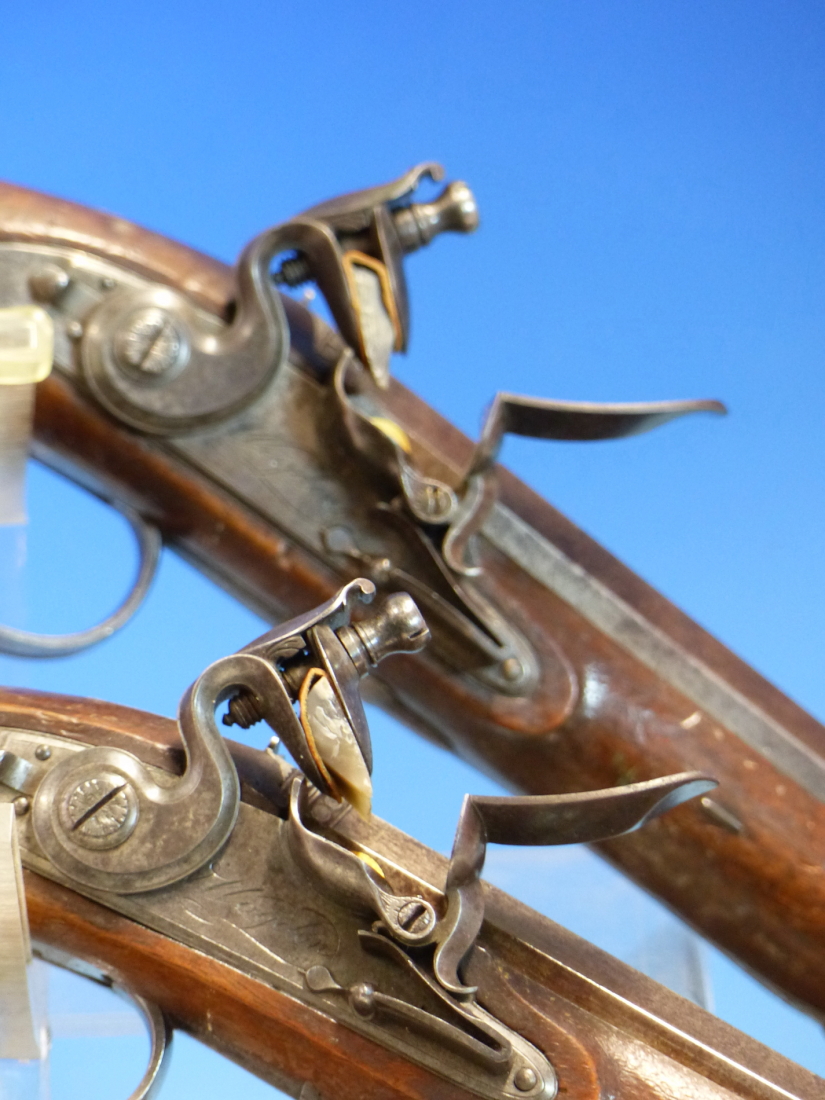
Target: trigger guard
{"points": [[160, 1038], [25, 643]]}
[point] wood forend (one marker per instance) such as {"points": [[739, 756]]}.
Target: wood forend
{"points": [[759, 893]]}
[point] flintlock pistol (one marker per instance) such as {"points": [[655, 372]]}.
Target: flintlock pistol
{"points": [[258, 905], [282, 458]]}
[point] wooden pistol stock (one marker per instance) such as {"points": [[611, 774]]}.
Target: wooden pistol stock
{"points": [[282, 459], [287, 976]]}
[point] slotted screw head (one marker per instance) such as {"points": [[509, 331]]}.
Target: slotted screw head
{"points": [[100, 811], [150, 344], [414, 917]]}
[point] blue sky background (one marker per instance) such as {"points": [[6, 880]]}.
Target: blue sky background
{"points": [[650, 180]]}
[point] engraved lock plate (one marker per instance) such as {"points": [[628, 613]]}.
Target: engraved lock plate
{"points": [[253, 908]]}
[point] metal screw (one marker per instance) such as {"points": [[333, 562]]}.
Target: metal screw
{"points": [[293, 271], [150, 343], [48, 283], [42, 752], [525, 1079], [362, 998], [243, 710], [21, 805], [74, 330], [100, 812], [511, 669], [108, 283], [413, 917], [432, 501]]}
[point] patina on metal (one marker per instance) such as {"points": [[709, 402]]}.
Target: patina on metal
{"points": [[162, 366], [329, 499], [27, 643], [353, 246], [322, 459], [386, 962], [107, 822], [275, 498], [444, 518], [311, 931], [158, 1028]]}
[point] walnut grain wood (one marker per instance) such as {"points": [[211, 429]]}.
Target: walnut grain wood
{"points": [[268, 1033], [759, 894], [609, 1032]]}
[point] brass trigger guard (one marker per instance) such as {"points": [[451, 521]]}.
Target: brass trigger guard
{"points": [[25, 643]]}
